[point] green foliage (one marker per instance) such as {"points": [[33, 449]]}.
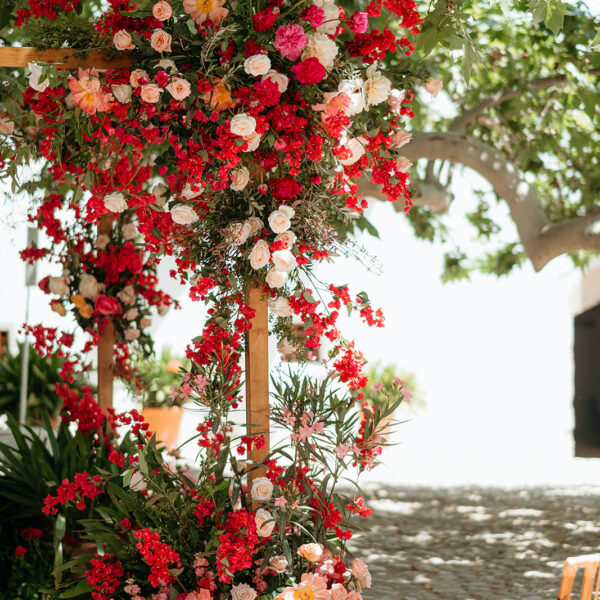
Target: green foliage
{"points": [[386, 380]]}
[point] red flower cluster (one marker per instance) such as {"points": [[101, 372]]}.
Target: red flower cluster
{"points": [[237, 544], [83, 486], [104, 575], [160, 557]]}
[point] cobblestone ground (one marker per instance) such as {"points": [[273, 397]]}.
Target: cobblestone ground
{"points": [[475, 543]]}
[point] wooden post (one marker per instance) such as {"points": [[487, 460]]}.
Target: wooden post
{"points": [[257, 378], [106, 342], [65, 58]]}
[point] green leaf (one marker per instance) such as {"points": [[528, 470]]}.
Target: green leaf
{"points": [[309, 297], [596, 40]]}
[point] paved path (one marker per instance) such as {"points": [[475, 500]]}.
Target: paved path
{"points": [[475, 543]]}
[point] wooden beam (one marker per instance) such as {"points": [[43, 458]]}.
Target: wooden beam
{"points": [[257, 378], [66, 58], [106, 342]]}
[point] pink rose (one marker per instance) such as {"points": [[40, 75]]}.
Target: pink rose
{"points": [[161, 41], [122, 40], [179, 88], [150, 93], [107, 305], [434, 86], [401, 138], [290, 40], [162, 11], [359, 22]]}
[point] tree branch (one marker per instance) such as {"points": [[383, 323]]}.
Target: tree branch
{"points": [[541, 239]]}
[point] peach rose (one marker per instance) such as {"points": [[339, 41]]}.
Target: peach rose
{"points": [[284, 260], [89, 286], [264, 522], [289, 237], [360, 570], [278, 563], [127, 295], [145, 322], [102, 241], [311, 552], [279, 79], [279, 221], [132, 334], [434, 86], [179, 88], [354, 596], [160, 41], [262, 489], [161, 11], [256, 65], [259, 255], [243, 591], [122, 40], [401, 138], [57, 307], [280, 306], [243, 125], [403, 164], [115, 202], [136, 75], [256, 224], [253, 141], [129, 231], [239, 179], [151, 93], [338, 592], [199, 594], [58, 286], [237, 233], [182, 214], [276, 279], [357, 149], [6, 127], [395, 99], [131, 314]]}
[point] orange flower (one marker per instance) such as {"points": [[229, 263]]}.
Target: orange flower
{"points": [[201, 10], [219, 98], [87, 92], [173, 366], [85, 310]]}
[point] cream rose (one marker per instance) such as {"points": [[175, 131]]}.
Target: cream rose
{"points": [[122, 40], [311, 552], [162, 11], [253, 142], [280, 306], [127, 295], [134, 78], [360, 570], [115, 202], [151, 93], [167, 64], [279, 79], [264, 522], [58, 286], [357, 147], [256, 225], [288, 237], [161, 41], [238, 233], [179, 88], [377, 86], [434, 86], [322, 48], [279, 221], [284, 260], [239, 179], [276, 279], [332, 18], [131, 314], [182, 214], [401, 138], [122, 93], [262, 489], [243, 125], [243, 591], [129, 231], [89, 286], [189, 193], [259, 255], [288, 211], [403, 164], [256, 65], [34, 78], [278, 563]]}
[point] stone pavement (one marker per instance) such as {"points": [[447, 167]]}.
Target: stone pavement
{"points": [[470, 543]]}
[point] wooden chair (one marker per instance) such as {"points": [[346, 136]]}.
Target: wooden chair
{"points": [[590, 563]]}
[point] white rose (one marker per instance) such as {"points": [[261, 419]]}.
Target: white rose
{"points": [[264, 522], [262, 489], [259, 255], [131, 314], [183, 214], [238, 233], [188, 193], [256, 65], [115, 202], [279, 221], [89, 286], [401, 138], [256, 225], [58, 286], [239, 179], [377, 86], [282, 81], [434, 86], [122, 93], [280, 306], [243, 591], [357, 147], [137, 483], [284, 260], [243, 125], [34, 78], [253, 142], [289, 237], [288, 211], [278, 563], [276, 279], [403, 164], [322, 48], [332, 19]]}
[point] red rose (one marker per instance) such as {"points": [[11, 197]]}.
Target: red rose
{"points": [[106, 305], [43, 284], [309, 71], [285, 188], [20, 551]]}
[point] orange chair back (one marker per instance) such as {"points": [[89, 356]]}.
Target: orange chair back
{"points": [[590, 563]]}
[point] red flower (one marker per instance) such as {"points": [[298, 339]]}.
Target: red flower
{"points": [[106, 305], [20, 551], [285, 188], [309, 71]]}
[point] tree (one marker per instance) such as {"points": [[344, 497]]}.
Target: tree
{"points": [[526, 118]]}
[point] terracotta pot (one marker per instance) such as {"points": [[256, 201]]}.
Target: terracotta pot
{"points": [[164, 421]]}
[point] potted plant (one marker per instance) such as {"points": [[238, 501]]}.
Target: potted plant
{"points": [[155, 388]]}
